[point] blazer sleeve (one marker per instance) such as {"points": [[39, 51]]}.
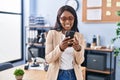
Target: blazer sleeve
{"points": [[52, 52], [79, 56]]}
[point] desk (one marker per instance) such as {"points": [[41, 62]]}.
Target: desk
{"points": [[29, 74]]}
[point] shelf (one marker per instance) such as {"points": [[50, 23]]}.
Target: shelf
{"points": [[110, 71], [99, 71], [35, 39], [103, 50], [35, 45], [39, 27]]}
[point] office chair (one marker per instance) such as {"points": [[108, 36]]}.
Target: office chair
{"points": [[4, 66]]}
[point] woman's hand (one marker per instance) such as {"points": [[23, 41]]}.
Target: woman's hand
{"points": [[76, 45], [64, 44]]}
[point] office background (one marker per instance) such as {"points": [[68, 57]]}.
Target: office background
{"points": [[48, 9]]}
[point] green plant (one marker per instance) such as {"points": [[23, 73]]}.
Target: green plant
{"points": [[117, 37], [19, 72]]}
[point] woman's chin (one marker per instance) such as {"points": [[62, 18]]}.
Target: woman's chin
{"points": [[68, 28]]}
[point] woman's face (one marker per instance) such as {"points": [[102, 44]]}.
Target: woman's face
{"points": [[67, 20]]}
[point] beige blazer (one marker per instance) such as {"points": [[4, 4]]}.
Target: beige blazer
{"points": [[53, 54]]}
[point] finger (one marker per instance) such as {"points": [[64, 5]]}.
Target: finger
{"points": [[67, 38], [76, 39], [70, 40], [65, 43]]}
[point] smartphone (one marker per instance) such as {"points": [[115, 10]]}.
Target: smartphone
{"points": [[70, 34]]}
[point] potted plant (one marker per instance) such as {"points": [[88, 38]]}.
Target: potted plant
{"points": [[117, 37], [19, 74]]}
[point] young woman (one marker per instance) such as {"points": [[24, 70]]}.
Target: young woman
{"points": [[64, 60]]}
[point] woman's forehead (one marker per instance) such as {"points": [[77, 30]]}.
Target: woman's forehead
{"points": [[66, 13]]}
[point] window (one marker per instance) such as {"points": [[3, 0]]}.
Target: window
{"points": [[11, 30]]}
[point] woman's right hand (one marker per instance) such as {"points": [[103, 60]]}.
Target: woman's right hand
{"points": [[64, 43]]}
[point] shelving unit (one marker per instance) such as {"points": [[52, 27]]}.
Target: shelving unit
{"points": [[33, 35], [109, 72]]}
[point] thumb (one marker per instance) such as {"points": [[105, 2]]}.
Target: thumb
{"points": [[76, 39]]}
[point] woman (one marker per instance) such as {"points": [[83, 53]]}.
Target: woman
{"points": [[64, 60]]}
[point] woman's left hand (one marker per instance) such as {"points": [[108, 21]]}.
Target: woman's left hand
{"points": [[76, 45]]}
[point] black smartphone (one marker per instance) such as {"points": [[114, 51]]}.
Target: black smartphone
{"points": [[70, 34]]}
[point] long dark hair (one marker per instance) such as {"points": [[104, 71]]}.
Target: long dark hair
{"points": [[58, 25]]}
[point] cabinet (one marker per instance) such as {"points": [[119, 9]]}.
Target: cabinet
{"points": [[35, 41], [100, 64]]}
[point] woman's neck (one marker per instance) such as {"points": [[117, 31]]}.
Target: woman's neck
{"points": [[64, 31]]}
